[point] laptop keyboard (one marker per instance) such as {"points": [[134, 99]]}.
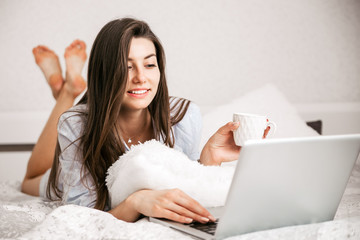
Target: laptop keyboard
{"points": [[209, 227]]}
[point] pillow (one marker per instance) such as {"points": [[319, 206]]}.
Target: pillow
{"points": [[267, 100], [152, 165]]}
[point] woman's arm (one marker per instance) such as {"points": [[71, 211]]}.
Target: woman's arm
{"points": [[187, 132], [172, 204], [73, 180]]}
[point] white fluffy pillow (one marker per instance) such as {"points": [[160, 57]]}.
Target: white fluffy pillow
{"points": [[153, 165], [267, 100]]}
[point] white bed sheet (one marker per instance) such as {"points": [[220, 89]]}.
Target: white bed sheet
{"points": [[26, 217]]}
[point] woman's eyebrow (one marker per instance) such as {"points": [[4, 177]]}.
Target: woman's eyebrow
{"points": [[147, 57], [151, 55]]}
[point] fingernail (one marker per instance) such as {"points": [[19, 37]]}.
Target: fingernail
{"points": [[189, 220], [212, 218], [234, 125], [204, 219]]}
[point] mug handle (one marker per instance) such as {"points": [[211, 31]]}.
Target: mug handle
{"points": [[272, 126]]}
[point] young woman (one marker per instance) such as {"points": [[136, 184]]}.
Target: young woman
{"points": [[126, 102]]}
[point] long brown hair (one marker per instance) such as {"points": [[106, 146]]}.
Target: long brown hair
{"points": [[107, 78]]}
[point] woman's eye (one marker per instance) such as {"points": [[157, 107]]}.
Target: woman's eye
{"points": [[150, 65], [129, 67]]}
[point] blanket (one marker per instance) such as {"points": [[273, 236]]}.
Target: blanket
{"points": [[26, 217]]}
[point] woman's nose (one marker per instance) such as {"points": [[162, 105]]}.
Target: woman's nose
{"points": [[140, 75]]}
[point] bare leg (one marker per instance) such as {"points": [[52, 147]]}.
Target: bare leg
{"points": [[43, 153]]}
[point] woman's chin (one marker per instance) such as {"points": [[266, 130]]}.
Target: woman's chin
{"points": [[138, 105]]}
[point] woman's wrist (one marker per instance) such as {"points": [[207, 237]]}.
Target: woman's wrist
{"points": [[126, 210], [206, 158]]}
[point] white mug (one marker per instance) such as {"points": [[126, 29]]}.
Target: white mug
{"points": [[251, 127]]}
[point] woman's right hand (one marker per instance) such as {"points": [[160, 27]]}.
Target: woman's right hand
{"points": [[172, 204]]}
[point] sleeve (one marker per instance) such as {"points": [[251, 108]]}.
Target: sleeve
{"points": [[75, 189], [188, 132]]}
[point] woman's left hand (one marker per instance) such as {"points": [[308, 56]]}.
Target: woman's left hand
{"points": [[221, 146]]}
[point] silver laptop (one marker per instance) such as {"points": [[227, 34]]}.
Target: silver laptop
{"points": [[281, 182]]}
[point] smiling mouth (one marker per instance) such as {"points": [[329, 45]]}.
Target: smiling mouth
{"points": [[139, 92]]}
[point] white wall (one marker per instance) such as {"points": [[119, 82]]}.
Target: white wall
{"points": [[309, 48], [216, 50]]}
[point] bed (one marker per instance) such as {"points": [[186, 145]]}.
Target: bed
{"points": [[26, 217]]}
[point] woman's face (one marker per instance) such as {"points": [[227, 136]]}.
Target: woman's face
{"points": [[143, 74]]}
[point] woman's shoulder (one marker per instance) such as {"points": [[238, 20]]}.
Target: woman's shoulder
{"points": [[185, 113], [184, 107], [187, 131], [74, 117], [194, 109]]}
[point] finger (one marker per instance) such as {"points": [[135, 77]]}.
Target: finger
{"points": [[189, 203], [187, 213], [266, 132], [230, 126], [171, 202], [168, 214]]}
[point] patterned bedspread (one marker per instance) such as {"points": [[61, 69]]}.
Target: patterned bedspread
{"points": [[26, 217]]}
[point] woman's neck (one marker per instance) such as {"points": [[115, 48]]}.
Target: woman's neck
{"points": [[135, 126]]}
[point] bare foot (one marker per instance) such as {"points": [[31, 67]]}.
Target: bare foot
{"points": [[75, 57], [49, 64]]}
